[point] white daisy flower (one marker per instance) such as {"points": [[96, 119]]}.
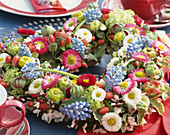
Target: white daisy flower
{"points": [[128, 39], [133, 97], [35, 86], [112, 62], [2, 59], [84, 33], [145, 99], [112, 122], [98, 94], [122, 51]]}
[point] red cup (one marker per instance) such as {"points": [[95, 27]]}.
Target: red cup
{"points": [[146, 9], [4, 103]]}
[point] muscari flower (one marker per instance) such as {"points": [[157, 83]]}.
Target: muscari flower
{"points": [[77, 110], [84, 33], [140, 56], [136, 28], [86, 80], [98, 94], [138, 76], [124, 87], [35, 86], [133, 97], [114, 76], [70, 24], [71, 59], [41, 44], [55, 94], [146, 41], [50, 80], [24, 51], [29, 70], [78, 46], [10, 38], [112, 122], [92, 15]]}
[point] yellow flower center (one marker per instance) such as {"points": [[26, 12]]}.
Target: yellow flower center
{"points": [[85, 33], [131, 95], [86, 80], [161, 47], [41, 44], [123, 85], [137, 30], [50, 79], [129, 40], [111, 122], [141, 57], [1, 59], [55, 92], [140, 74], [36, 85], [71, 59], [71, 24], [98, 94]]}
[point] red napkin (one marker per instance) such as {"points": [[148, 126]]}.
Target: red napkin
{"points": [[156, 125], [49, 8]]}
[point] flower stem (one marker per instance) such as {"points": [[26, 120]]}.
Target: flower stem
{"points": [[75, 77], [131, 60], [79, 26], [139, 65]]}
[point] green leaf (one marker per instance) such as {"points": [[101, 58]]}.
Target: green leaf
{"points": [[163, 90], [164, 96], [100, 51], [73, 100], [98, 116], [110, 50], [62, 48], [123, 127], [59, 58], [124, 117], [93, 57], [167, 88], [140, 117], [158, 105], [165, 64], [100, 35]]}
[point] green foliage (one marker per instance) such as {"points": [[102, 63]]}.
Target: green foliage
{"points": [[158, 105]]}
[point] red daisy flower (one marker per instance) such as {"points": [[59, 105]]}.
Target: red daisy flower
{"points": [[86, 80], [139, 30], [138, 76], [41, 44], [140, 56], [50, 80], [71, 59]]}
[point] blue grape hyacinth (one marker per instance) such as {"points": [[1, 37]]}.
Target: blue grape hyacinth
{"points": [[114, 76], [10, 38], [29, 70], [24, 51], [78, 46], [92, 15], [77, 111]]}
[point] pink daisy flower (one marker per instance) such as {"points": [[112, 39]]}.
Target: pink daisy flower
{"points": [[41, 44], [71, 59], [139, 30], [162, 48], [138, 76], [70, 24], [49, 81], [124, 87], [140, 56]]}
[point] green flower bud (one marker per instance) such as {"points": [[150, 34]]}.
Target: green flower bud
{"points": [[13, 48], [146, 27], [45, 65], [53, 47], [47, 30], [19, 82], [142, 107], [76, 91], [64, 83], [149, 51], [152, 70], [117, 27], [79, 16], [55, 94], [95, 25]]}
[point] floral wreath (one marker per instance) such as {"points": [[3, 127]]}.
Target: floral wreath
{"points": [[37, 70]]}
